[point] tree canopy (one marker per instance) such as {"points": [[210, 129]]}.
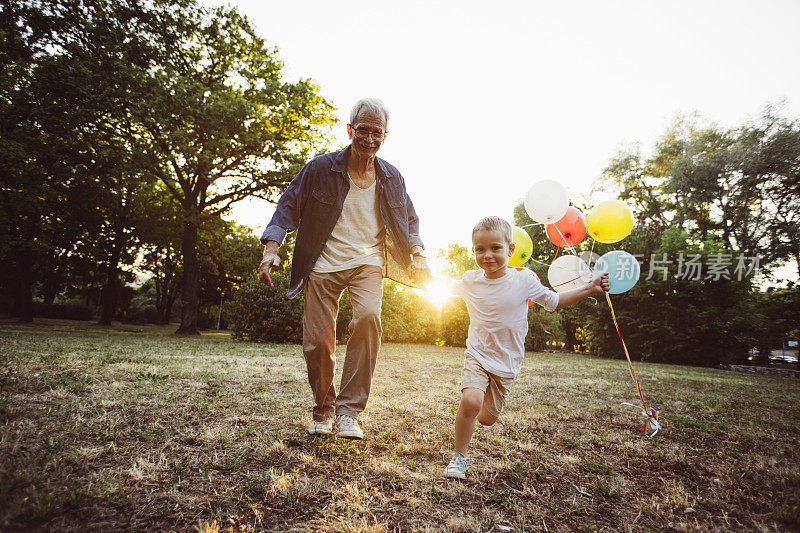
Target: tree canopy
{"points": [[107, 105]]}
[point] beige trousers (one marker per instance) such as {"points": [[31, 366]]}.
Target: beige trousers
{"points": [[322, 293]]}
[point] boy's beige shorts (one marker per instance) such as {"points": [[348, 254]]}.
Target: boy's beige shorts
{"points": [[494, 387]]}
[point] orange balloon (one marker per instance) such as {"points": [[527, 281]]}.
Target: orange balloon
{"points": [[569, 231]]}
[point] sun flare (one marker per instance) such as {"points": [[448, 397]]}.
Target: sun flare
{"points": [[437, 293]]}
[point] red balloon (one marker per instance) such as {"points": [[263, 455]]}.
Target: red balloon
{"points": [[572, 226]]}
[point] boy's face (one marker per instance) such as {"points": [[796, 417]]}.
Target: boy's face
{"points": [[491, 252]]}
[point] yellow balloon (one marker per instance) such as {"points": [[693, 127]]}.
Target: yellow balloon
{"points": [[609, 221], [523, 247]]}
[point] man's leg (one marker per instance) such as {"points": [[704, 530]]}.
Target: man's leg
{"points": [[366, 289], [322, 293]]}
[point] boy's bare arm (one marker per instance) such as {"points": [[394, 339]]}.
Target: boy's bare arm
{"points": [[598, 285]]}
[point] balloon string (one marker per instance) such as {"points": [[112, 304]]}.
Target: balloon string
{"points": [[566, 282], [533, 224], [567, 244], [625, 349], [555, 341]]}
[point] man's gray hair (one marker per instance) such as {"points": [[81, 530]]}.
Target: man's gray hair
{"points": [[370, 104], [495, 224]]}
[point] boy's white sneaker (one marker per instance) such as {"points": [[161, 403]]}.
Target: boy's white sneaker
{"points": [[457, 468], [347, 427], [321, 428]]}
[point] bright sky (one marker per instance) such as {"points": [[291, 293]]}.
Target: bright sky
{"points": [[489, 97]]}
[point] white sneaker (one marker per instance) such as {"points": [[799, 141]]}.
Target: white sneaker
{"points": [[347, 427], [321, 428], [457, 468]]}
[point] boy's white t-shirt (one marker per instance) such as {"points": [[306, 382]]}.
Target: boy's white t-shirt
{"points": [[498, 316]]}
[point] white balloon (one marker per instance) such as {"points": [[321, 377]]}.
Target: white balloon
{"points": [[568, 272], [547, 202]]}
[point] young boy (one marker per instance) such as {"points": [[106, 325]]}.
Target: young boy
{"points": [[497, 301]]}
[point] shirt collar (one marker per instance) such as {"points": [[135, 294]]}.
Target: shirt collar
{"points": [[340, 164]]}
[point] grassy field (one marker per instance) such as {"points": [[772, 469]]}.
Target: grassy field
{"points": [[133, 428]]}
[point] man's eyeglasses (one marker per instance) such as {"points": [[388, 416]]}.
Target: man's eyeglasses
{"points": [[365, 133]]}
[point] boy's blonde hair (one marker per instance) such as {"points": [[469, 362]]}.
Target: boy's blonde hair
{"points": [[494, 224]]}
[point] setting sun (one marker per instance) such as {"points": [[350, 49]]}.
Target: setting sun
{"points": [[437, 292]]}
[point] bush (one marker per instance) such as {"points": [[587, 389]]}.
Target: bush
{"points": [[454, 326], [537, 338], [68, 311], [407, 316], [144, 314], [259, 313]]}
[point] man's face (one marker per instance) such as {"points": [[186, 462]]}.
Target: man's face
{"points": [[367, 134], [491, 252]]}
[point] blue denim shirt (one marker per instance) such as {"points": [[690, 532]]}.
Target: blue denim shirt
{"points": [[313, 203]]}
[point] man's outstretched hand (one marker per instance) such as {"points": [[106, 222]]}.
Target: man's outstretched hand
{"points": [[270, 261]]}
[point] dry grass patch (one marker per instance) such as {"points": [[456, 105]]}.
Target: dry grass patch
{"points": [[134, 428]]}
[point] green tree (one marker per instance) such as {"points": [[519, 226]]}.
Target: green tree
{"points": [[71, 188], [738, 185], [678, 318], [36, 145], [228, 126], [228, 255], [159, 232]]}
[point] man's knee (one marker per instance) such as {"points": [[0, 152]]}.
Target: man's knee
{"points": [[368, 320], [318, 348]]}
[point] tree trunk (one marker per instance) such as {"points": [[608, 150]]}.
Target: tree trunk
{"points": [[24, 301], [110, 293], [52, 280], [796, 256], [191, 277], [569, 334], [108, 298], [172, 293]]}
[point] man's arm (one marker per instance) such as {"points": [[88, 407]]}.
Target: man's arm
{"points": [[286, 218], [420, 271], [599, 285]]}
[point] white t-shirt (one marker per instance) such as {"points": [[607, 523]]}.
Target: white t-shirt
{"points": [[498, 316], [357, 238]]}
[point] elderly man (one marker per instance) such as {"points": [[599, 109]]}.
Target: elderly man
{"points": [[355, 225]]}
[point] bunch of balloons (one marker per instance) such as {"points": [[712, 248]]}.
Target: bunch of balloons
{"points": [[547, 202]]}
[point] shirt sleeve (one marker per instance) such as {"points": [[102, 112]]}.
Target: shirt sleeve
{"points": [[540, 294], [290, 205]]}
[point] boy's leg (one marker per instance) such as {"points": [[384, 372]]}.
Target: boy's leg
{"points": [[322, 294], [474, 380], [494, 400], [486, 418], [366, 289], [471, 402]]}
